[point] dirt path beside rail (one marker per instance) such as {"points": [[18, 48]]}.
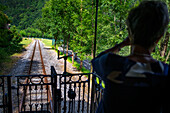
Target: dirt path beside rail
{"points": [[49, 58]]}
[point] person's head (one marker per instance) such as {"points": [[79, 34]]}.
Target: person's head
{"points": [[147, 23]]}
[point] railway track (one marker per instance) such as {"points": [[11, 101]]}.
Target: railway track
{"points": [[34, 91], [37, 92]]}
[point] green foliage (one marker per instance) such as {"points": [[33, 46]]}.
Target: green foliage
{"points": [[3, 20], [3, 55], [5, 37], [9, 38], [31, 32], [77, 65], [112, 22], [23, 13], [72, 21], [84, 31], [47, 42], [25, 42], [6, 52], [17, 37], [76, 19], [5, 34], [2, 7], [23, 33]]}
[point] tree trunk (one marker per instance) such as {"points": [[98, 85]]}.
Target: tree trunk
{"points": [[92, 47], [167, 57], [81, 64], [164, 45], [67, 44], [124, 2], [43, 35], [55, 43], [115, 21], [63, 46]]}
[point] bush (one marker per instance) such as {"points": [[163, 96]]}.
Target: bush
{"points": [[3, 55], [5, 34], [31, 32], [5, 37], [17, 37]]}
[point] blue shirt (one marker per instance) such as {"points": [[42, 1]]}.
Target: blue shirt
{"points": [[114, 70]]}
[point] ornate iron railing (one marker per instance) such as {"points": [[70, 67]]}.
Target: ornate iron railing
{"points": [[5, 94], [33, 95], [70, 93]]}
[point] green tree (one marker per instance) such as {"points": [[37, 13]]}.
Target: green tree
{"points": [[23, 13], [5, 34], [31, 32], [16, 36]]}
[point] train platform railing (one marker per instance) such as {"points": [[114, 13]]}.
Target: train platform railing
{"points": [[5, 94], [33, 95], [55, 93], [82, 92], [71, 93]]}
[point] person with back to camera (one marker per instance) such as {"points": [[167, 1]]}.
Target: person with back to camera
{"points": [[146, 24]]}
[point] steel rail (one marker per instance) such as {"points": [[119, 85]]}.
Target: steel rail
{"points": [[26, 80], [46, 80], [49, 99]]}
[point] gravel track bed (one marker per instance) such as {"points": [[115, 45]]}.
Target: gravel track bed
{"points": [[49, 58]]}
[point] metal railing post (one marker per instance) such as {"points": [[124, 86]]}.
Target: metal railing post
{"points": [[54, 76], [58, 54], [9, 95], [94, 53], [55, 95]]}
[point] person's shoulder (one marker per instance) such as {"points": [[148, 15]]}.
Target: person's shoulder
{"points": [[106, 63], [106, 56], [160, 67], [110, 59], [112, 56], [116, 59]]}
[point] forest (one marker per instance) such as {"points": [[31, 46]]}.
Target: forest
{"points": [[72, 24]]}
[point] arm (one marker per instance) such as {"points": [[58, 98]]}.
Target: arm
{"points": [[117, 47]]}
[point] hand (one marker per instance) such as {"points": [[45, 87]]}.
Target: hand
{"points": [[117, 47], [126, 42]]}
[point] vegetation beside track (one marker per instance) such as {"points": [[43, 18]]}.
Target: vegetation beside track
{"points": [[25, 42], [76, 27], [48, 43], [10, 55]]}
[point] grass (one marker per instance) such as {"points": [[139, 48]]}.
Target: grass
{"points": [[7, 65], [25, 42], [77, 65], [48, 43], [10, 55]]}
